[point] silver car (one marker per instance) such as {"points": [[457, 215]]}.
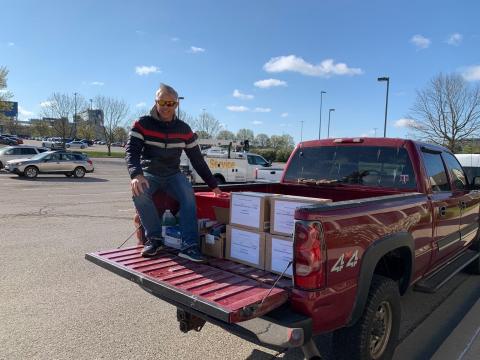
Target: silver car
{"points": [[18, 152], [52, 162]]}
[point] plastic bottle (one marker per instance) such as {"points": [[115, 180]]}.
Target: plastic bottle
{"points": [[167, 220]]}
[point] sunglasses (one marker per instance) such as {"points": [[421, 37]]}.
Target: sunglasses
{"points": [[168, 103]]}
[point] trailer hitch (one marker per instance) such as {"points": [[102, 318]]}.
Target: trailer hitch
{"points": [[189, 322]]}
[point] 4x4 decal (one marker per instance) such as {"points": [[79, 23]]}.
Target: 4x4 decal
{"points": [[351, 262]]}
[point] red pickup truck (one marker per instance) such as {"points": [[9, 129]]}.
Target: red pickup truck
{"points": [[402, 214]]}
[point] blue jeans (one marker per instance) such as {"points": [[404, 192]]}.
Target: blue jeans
{"points": [[178, 187]]}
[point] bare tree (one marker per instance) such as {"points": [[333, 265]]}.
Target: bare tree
{"points": [[262, 140], [85, 130], [60, 108], [245, 134], [447, 111], [115, 113], [226, 135], [206, 124]]}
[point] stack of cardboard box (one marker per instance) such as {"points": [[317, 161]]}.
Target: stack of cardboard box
{"points": [[260, 232]]}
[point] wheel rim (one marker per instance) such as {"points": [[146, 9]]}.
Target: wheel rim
{"points": [[381, 330], [79, 172], [31, 172]]}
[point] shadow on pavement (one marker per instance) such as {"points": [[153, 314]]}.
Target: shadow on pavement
{"points": [[61, 179]]}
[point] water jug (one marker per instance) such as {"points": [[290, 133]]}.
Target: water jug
{"points": [[167, 220]]}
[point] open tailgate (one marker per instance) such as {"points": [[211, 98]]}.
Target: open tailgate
{"points": [[224, 290]]}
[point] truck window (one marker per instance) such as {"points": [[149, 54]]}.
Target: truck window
{"points": [[436, 172], [363, 165], [456, 172]]}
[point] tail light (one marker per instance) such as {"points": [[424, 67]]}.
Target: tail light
{"points": [[309, 256], [90, 162]]}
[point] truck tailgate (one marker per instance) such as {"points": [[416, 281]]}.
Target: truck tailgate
{"points": [[224, 290]]}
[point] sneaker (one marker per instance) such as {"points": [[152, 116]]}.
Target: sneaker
{"points": [[193, 254], [152, 247]]}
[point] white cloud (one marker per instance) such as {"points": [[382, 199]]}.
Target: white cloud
{"points": [[404, 123], [24, 113], [257, 122], [455, 39], [11, 43], [284, 115], [471, 73], [196, 50], [237, 108], [97, 83], [267, 83], [262, 110], [141, 104], [421, 42], [293, 63], [46, 103], [145, 70], [237, 94]]}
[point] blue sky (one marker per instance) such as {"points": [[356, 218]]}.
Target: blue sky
{"points": [[252, 64]]}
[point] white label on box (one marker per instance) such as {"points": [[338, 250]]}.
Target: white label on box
{"points": [[284, 215], [173, 242], [245, 210], [245, 246], [210, 239], [282, 254]]}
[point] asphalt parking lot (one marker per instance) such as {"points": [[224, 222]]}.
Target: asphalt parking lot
{"points": [[57, 305]]}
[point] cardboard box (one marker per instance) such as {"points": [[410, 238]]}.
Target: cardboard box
{"points": [[214, 245], [278, 253], [245, 246], [282, 214], [222, 215], [250, 210]]}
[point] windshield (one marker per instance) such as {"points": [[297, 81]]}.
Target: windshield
{"points": [[366, 165]]}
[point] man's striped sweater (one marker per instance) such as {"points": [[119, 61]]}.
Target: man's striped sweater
{"points": [[155, 146]]}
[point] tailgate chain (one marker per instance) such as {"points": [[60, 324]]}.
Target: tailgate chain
{"points": [[128, 238], [275, 283]]}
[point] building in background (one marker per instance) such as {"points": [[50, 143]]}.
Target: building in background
{"points": [[93, 118]]}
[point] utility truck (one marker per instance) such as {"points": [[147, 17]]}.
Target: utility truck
{"points": [[230, 162], [402, 215]]}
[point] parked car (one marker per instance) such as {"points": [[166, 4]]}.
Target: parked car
{"points": [[18, 152], [5, 140], [118, 143], [76, 144], [54, 143], [52, 162]]}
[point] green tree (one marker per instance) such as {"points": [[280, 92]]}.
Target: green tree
{"points": [[446, 111], [85, 130], [4, 94], [41, 128]]}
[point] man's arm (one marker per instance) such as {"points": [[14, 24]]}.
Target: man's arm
{"points": [[198, 162], [133, 150]]}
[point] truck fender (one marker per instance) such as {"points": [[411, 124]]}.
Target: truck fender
{"points": [[370, 259]]}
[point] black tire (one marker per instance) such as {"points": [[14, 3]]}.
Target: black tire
{"points": [[1, 165], [30, 172], [375, 334], [79, 172], [69, 175], [220, 179]]}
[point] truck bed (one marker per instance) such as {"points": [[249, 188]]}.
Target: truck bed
{"points": [[222, 289]]}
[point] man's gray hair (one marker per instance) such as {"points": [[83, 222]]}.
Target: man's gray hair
{"points": [[164, 88]]}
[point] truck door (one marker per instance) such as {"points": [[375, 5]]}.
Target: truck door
{"points": [[469, 201], [445, 207]]}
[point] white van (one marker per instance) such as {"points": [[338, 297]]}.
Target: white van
{"points": [[471, 165]]}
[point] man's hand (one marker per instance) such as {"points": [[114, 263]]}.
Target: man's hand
{"points": [[138, 184], [217, 191]]}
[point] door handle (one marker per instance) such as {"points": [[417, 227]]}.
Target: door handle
{"points": [[442, 210]]}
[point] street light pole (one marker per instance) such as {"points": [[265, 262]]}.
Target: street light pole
{"points": [[91, 106], [387, 79], [178, 109], [75, 115], [320, 125], [301, 131], [328, 130]]}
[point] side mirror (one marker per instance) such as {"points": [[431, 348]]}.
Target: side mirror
{"points": [[476, 182]]}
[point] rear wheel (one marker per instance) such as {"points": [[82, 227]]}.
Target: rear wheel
{"points": [[79, 172], [220, 179], [1, 165], [375, 334], [474, 267], [31, 172]]}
